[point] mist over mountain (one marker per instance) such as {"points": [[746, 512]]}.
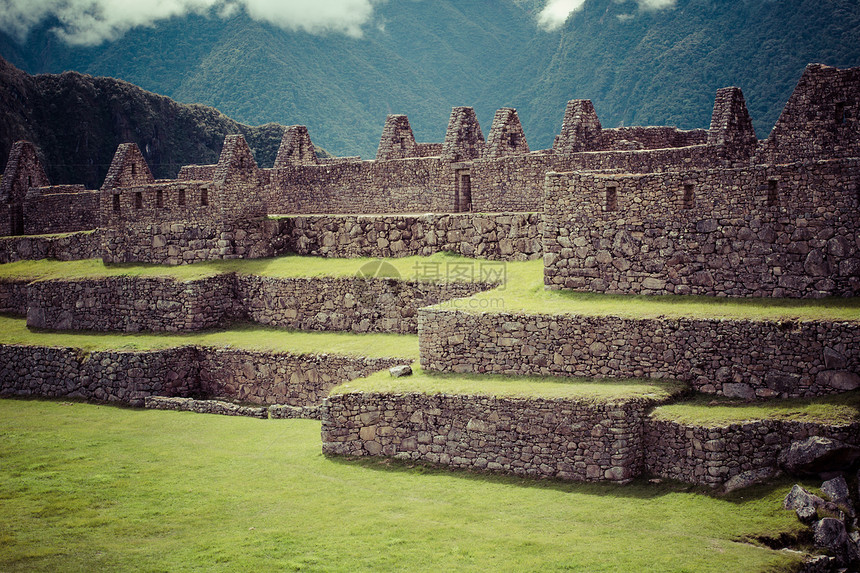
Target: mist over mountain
{"points": [[641, 61]]}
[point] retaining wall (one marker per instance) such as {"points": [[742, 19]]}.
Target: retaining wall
{"points": [[497, 236], [344, 304], [711, 456], [134, 304], [67, 247], [131, 304], [129, 377], [276, 378], [109, 376], [738, 358], [538, 438]]}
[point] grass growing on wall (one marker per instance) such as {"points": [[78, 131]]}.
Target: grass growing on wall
{"points": [[439, 267], [524, 293], [97, 488], [711, 411], [241, 336], [580, 389]]}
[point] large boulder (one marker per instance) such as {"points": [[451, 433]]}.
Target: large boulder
{"points": [[805, 504], [818, 454], [837, 490]]}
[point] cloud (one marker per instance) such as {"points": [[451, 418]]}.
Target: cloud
{"points": [[91, 22], [556, 13], [655, 4]]}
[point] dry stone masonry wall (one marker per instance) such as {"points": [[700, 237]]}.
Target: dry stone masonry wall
{"points": [[135, 304], [505, 236], [264, 378], [713, 455], [783, 231], [537, 438], [737, 358]]}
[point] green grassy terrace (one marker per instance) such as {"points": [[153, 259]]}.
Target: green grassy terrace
{"points": [[711, 411], [522, 291], [578, 389], [97, 488], [241, 336]]}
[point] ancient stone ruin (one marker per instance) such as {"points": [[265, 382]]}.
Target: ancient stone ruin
{"points": [[630, 210]]}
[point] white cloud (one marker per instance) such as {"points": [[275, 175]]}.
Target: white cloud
{"points": [[556, 12], [655, 4], [91, 22]]}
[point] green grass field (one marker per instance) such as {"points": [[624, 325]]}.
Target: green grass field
{"points": [[13, 330], [579, 389], [96, 488]]}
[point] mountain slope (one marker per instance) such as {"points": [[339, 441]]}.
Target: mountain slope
{"points": [[77, 122], [421, 58]]}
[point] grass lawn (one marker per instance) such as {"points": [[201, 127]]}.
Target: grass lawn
{"points": [[440, 267], [88, 488], [711, 411], [13, 330], [579, 389], [524, 293]]}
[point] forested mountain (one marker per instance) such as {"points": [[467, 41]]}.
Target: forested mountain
{"points": [[640, 66], [77, 122]]}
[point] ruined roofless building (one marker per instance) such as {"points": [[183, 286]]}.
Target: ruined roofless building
{"points": [[668, 181]]}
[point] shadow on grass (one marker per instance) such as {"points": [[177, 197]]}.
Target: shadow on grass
{"points": [[642, 488]]}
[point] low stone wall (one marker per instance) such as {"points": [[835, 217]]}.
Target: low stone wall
{"points": [[538, 438], [276, 378], [204, 406], [68, 247], [738, 358], [131, 304], [345, 304], [498, 236], [176, 243], [60, 209], [109, 376], [297, 384], [711, 456], [134, 304], [13, 296]]}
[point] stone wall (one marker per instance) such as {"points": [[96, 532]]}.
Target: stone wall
{"points": [[68, 247], [176, 243], [134, 304], [712, 455], [505, 236], [780, 231], [534, 437], [13, 296], [821, 118], [738, 358], [301, 381], [131, 304], [109, 376], [280, 378], [60, 209], [346, 304]]}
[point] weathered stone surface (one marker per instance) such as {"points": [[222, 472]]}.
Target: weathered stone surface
{"points": [[818, 454], [748, 478], [400, 370], [830, 533]]}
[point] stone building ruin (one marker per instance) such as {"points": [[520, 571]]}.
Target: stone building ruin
{"points": [[628, 210]]}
